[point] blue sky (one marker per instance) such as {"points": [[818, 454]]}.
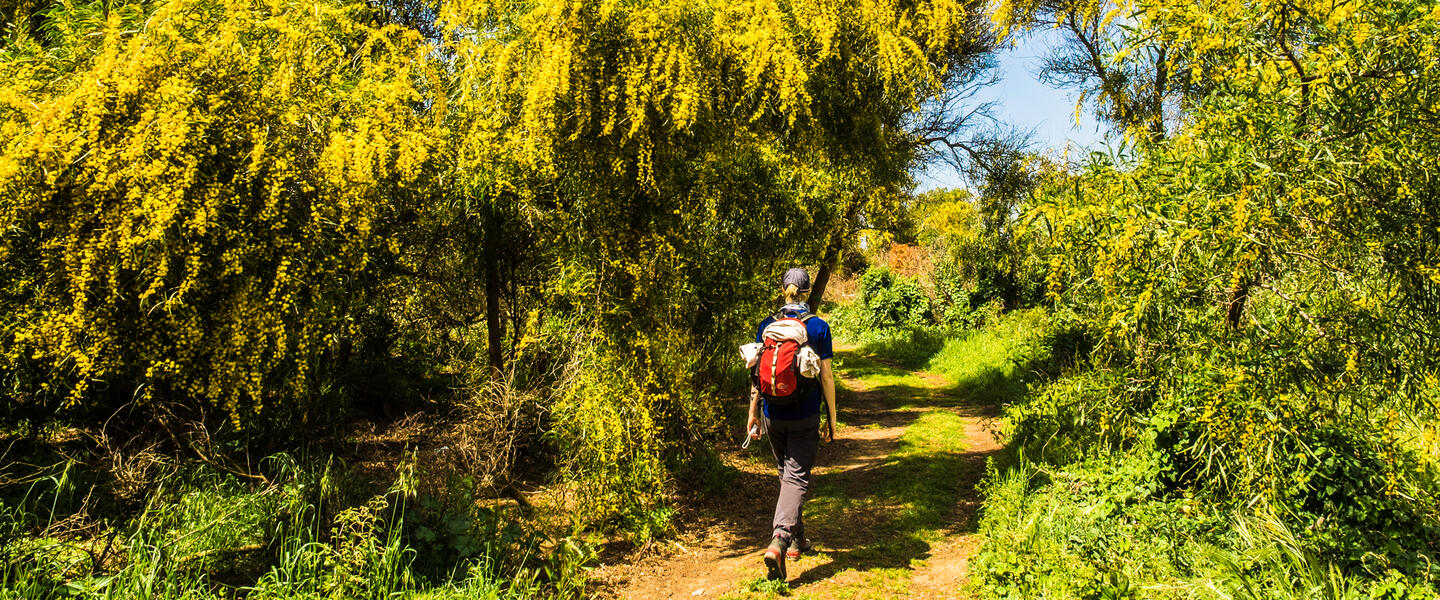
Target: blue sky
{"points": [[1023, 101]]}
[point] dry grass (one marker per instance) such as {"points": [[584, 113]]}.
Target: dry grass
{"points": [[842, 290]]}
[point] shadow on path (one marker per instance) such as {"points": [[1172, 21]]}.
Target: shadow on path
{"points": [[917, 486], [897, 486]]}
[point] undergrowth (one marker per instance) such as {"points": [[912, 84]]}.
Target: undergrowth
{"points": [[1071, 514], [205, 534]]}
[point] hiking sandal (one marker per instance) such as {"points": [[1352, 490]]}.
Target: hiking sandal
{"points": [[775, 559], [796, 547]]}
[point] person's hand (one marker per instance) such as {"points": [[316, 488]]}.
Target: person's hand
{"points": [[753, 426], [827, 433]]}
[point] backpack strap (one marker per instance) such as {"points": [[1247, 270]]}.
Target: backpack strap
{"points": [[803, 317]]}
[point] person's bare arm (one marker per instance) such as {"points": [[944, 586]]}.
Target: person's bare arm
{"points": [[827, 387]]}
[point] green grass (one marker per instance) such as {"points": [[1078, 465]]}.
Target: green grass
{"points": [[1092, 531], [992, 365], [910, 347], [1100, 529], [909, 498], [873, 584], [768, 587], [1066, 517], [989, 366], [872, 373], [207, 535]]}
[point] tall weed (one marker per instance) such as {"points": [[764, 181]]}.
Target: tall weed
{"points": [[1268, 561], [1093, 497], [207, 535]]}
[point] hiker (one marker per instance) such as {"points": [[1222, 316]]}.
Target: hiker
{"points": [[787, 406]]}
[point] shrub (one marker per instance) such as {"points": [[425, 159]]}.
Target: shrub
{"points": [[891, 301], [952, 301]]}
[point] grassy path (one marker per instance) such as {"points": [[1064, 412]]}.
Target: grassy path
{"points": [[892, 513]]}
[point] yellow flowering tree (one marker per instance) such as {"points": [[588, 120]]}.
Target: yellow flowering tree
{"points": [[240, 204], [198, 197], [1261, 285], [1131, 73], [665, 161]]}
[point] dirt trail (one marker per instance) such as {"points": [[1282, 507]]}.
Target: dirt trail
{"points": [[891, 514]]}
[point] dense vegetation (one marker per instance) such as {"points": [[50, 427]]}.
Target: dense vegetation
{"points": [[1257, 281], [424, 257], [236, 228]]}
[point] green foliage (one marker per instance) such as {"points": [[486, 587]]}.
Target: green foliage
{"points": [[983, 256], [953, 303], [556, 217], [1094, 530], [1271, 562], [770, 587], [208, 535], [997, 364], [909, 346], [1066, 519], [890, 301], [1255, 288]]}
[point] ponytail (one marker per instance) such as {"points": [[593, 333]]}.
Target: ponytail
{"points": [[793, 294]]}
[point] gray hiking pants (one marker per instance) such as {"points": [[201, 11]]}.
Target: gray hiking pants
{"points": [[794, 443]]}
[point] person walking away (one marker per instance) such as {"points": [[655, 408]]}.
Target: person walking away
{"points": [[785, 401]]}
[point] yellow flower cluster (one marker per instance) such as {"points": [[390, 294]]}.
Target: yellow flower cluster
{"points": [[636, 76], [1272, 263], [196, 201]]}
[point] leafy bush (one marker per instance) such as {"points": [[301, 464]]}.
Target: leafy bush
{"points": [[953, 303], [1260, 310], [222, 223], [208, 535], [1100, 529], [616, 467], [890, 301], [981, 250]]}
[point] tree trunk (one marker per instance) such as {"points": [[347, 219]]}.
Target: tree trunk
{"points": [[1162, 80], [493, 324], [836, 243], [1235, 306], [822, 274]]}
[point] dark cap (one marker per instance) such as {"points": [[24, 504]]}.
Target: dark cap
{"points": [[797, 277]]}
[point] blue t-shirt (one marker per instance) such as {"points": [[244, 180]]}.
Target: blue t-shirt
{"points": [[817, 332]]}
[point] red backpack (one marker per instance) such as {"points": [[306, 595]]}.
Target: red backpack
{"points": [[777, 373]]}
